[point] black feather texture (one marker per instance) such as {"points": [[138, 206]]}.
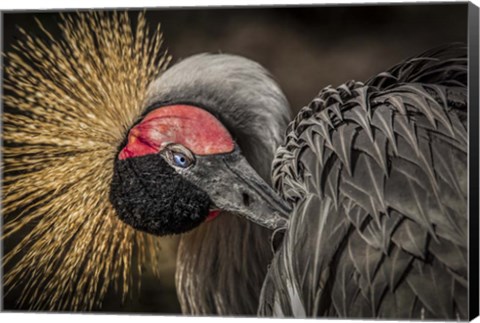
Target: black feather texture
{"points": [[377, 175], [150, 196]]}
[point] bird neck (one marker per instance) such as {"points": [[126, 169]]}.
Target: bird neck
{"points": [[221, 267]]}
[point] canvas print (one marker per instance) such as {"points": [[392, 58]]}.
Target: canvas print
{"points": [[266, 161]]}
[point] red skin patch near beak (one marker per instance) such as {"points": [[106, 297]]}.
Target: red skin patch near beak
{"points": [[212, 215], [192, 127]]}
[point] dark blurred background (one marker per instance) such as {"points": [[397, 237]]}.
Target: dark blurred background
{"points": [[305, 49]]}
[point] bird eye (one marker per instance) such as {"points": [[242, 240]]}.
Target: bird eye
{"points": [[181, 160], [178, 156]]}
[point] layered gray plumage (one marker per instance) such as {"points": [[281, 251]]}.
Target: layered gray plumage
{"points": [[377, 175], [221, 265]]}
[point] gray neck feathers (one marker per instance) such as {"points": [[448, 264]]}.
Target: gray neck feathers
{"points": [[221, 265]]}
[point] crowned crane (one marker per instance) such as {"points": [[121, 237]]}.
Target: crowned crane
{"points": [[367, 217]]}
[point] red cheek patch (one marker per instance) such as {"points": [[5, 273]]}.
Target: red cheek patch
{"points": [[187, 125], [212, 215]]}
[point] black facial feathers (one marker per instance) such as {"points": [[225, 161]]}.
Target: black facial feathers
{"points": [[150, 196]]}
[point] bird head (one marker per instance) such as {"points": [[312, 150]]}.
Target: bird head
{"points": [[183, 163]]}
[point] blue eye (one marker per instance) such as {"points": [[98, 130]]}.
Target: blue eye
{"points": [[181, 160]]}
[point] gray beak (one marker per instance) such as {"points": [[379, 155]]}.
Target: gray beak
{"points": [[233, 185]]}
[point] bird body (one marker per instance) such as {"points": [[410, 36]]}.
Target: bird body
{"points": [[368, 220], [377, 174]]}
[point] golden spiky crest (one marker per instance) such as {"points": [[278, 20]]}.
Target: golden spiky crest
{"points": [[68, 106]]}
